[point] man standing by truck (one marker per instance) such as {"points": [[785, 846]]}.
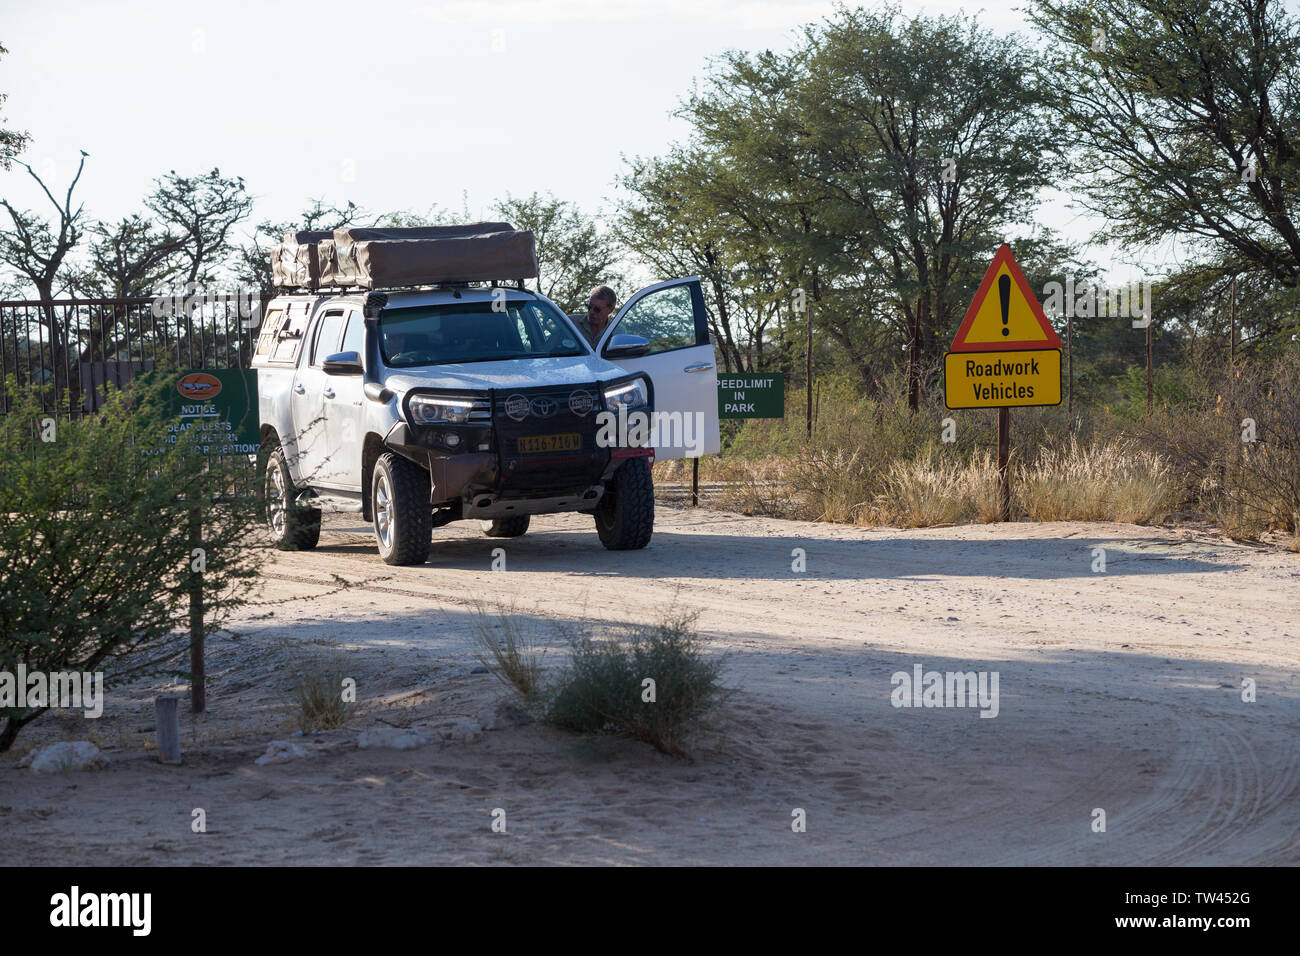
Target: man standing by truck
{"points": [[600, 306]]}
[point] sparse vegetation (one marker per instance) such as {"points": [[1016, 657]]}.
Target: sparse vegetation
{"points": [[873, 461], [1236, 447], [318, 693], [1112, 481], [99, 521], [650, 682], [508, 651], [606, 688]]}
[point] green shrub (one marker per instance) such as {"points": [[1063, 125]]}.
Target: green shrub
{"points": [[1170, 386], [605, 689], [99, 520]]}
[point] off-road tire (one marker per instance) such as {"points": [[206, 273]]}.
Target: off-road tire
{"points": [[403, 522], [511, 527], [625, 514], [294, 527]]}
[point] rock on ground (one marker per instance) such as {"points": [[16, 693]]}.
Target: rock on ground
{"points": [[67, 755], [280, 751]]}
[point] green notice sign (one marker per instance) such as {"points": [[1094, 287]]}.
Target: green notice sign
{"points": [[221, 405], [752, 395]]}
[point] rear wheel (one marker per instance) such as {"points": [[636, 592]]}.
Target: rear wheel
{"points": [[625, 514], [511, 527], [293, 526], [399, 494]]}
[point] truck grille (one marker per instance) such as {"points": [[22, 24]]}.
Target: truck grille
{"points": [[547, 418]]}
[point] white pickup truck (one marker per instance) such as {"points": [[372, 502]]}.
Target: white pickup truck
{"points": [[418, 407]]}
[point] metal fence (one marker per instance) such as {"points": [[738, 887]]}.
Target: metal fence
{"points": [[78, 347]]}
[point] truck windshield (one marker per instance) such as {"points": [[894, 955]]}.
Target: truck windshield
{"points": [[474, 332]]}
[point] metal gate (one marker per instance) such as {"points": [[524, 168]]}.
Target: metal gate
{"points": [[80, 347]]}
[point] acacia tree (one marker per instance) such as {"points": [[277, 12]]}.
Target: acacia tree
{"points": [[203, 211], [572, 251], [1187, 116], [99, 521], [37, 249], [435, 215], [691, 212], [922, 144], [12, 142], [877, 165], [186, 241], [131, 257], [670, 224]]}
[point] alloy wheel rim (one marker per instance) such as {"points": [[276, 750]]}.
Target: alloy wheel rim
{"points": [[383, 511], [275, 501]]}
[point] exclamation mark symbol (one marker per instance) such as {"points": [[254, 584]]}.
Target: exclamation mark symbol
{"points": [[1004, 295]]}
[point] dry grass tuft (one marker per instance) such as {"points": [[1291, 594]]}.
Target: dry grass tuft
{"points": [[1116, 481], [931, 490], [507, 650], [318, 693]]}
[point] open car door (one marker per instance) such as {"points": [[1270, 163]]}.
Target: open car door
{"points": [[671, 317]]}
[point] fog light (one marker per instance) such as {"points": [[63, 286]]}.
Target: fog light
{"points": [[450, 440]]}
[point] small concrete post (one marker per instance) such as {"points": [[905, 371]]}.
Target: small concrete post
{"points": [[167, 726]]}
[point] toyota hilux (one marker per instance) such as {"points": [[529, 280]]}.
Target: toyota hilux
{"points": [[475, 401]]}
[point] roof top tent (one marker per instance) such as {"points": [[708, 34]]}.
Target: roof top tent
{"points": [[370, 258]]}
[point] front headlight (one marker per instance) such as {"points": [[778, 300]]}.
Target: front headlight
{"points": [[440, 410], [631, 395]]}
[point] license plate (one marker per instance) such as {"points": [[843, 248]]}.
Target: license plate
{"points": [[541, 444]]}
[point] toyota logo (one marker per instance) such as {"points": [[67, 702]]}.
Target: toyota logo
{"points": [[581, 402], [517, 407], [544, 407]]}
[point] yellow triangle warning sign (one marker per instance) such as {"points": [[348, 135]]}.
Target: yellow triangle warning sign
{"points": [[1004, 313]]}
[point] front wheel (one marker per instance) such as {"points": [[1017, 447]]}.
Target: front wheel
{"points": [[399, 492], [625, 514]]}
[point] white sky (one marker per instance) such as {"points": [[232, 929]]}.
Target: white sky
{"points": [[391, 105]]}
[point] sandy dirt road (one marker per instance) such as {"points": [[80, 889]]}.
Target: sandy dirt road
{"points": [[1118, 690]]}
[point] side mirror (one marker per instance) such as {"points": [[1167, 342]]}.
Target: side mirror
{"points": [[343, 363], [627, 346]]}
